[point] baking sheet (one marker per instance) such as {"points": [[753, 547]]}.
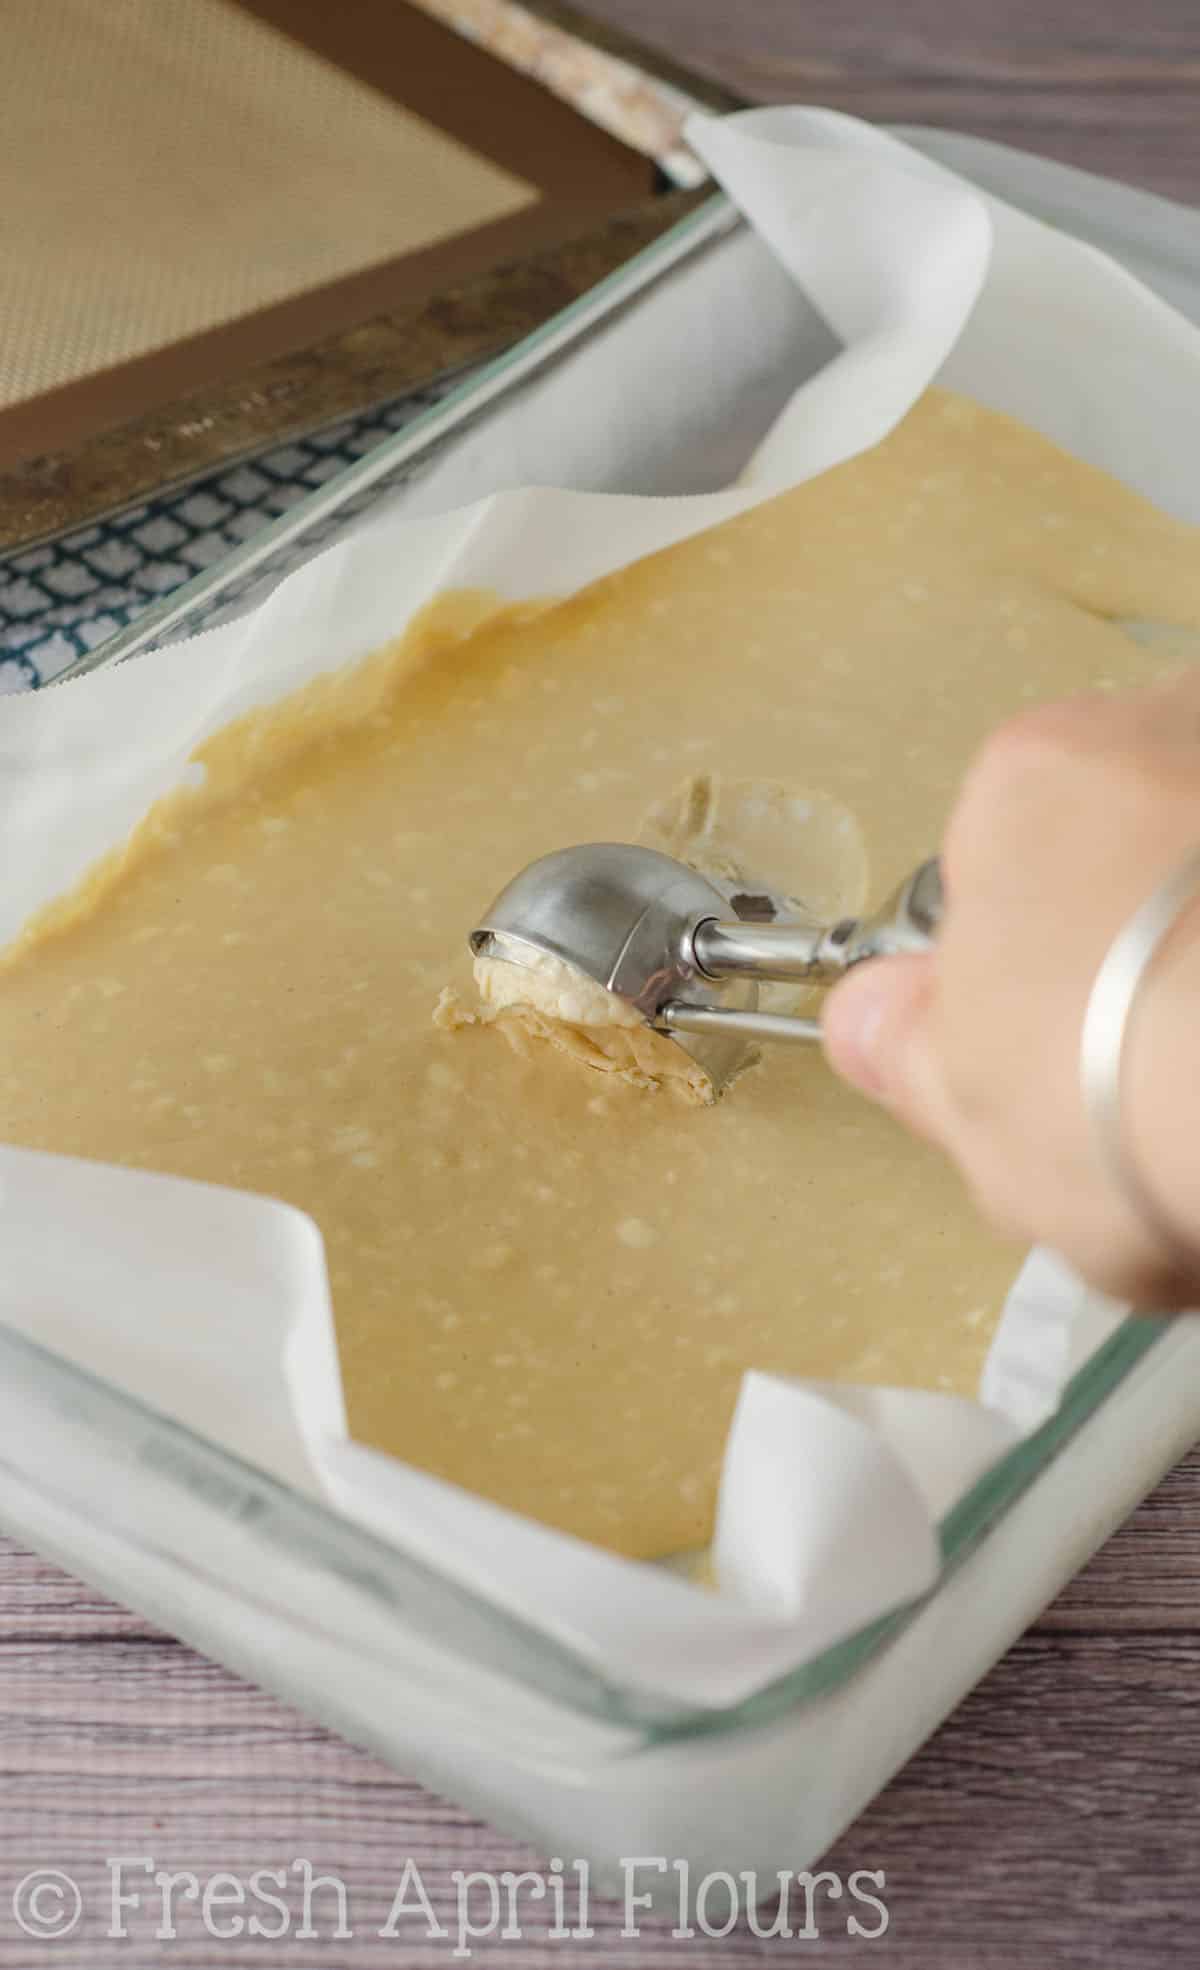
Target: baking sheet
{"points": [[643, 110], [316, 176], [370, 157], [939, 283]]}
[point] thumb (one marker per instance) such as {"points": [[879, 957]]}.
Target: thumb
{"points": [[876, 1028]]}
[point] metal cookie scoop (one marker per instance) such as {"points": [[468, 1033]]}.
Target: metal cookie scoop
{"points": [[659, 935]]}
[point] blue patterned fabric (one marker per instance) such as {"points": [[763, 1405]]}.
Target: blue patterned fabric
{"points": [[62, 599]]}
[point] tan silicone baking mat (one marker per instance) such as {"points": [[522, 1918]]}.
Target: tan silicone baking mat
{"points": [[172, 165]]}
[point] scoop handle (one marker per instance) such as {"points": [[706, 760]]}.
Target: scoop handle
{"points": [[819, 953], [732, 1022], [908, 921]]}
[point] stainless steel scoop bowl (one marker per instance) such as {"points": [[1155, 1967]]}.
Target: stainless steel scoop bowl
{"points": [[660, 936]]}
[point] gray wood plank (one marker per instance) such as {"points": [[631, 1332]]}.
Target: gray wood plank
{"points": [[1109, 89], [1062, 1791], [1054, 1798]]}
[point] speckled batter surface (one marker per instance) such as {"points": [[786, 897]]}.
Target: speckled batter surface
{"points": [[547, 1283]]}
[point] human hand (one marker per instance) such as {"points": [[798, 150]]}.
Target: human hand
{"points": [[1068, 819]]}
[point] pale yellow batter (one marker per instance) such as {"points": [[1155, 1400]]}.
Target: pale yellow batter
{"points": [[547, 1282]]}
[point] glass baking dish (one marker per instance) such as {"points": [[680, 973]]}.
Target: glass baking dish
{"points": [[164, 1514], [121, 1468]]}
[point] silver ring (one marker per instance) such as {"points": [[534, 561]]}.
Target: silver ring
{"points": [[1107, 1025]]}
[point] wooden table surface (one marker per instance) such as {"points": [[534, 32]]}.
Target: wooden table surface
{"points": [[1055, 1820]]}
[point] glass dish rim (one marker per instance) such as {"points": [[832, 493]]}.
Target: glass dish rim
{"points": [[385, 1572]]}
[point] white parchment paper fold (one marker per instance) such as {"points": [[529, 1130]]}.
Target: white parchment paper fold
{"points": [[214, 1306]]}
